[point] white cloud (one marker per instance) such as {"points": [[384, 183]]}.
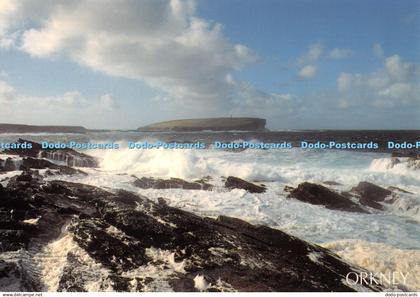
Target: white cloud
{"points": [[309, 59], [64, 109], [161, 42], [313, 54], [5, 88], [309, 71], [396, 84], [108, 101], [378, 51], [13, 99], [345, 81], [340, 53], [7, 41], [258, 102]]}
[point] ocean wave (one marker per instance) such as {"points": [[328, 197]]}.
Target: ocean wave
{"points": [[381, 258], [396, 165], [287, 166]]}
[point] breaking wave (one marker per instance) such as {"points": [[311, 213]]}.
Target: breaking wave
{"points": [[381, 258]]}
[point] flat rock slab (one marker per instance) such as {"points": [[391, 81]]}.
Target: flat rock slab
{"points": [[237, 183], [320, 195], [172, 183], [370, 194]]}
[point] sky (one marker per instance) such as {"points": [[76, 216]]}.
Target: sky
{"points": [[301, 64]]}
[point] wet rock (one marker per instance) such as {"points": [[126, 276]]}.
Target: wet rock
{"points": [[203, 180], [237, 183], [173, 183], [331, 183], [13, 240], [142, 245], [414, 163], [288, 189], [109, 246], [68, 156], [370, 194], [72, 279], [162, 201], [32, 163], [320, 195], [13, 278], [8, 165]]}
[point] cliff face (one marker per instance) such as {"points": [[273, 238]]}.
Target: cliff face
{"points": [[212, 124], [12, 128]]}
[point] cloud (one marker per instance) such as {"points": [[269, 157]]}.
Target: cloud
{"points": [[309, 59], [340, 53], [313, 54], [251, 101], [66, 109], [378, 50], [161, 42], [108, 101], [6, 91], [309, 71], [395, 85]]}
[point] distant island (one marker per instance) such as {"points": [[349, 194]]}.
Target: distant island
{"points": [[15, 128], [208, 124], [187, 125]]}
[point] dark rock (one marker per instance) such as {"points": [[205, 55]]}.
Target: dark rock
{"points": [[288, 189], [237, 183], [331, 183], [8, 165], [172, 183], [370, 194], [32, 163], [320, 195], [414, 163], [105, 243], [72, 279], [13, 240], [162, 201], [123, 232], [13, 278], [68, 156], [203, 180]]}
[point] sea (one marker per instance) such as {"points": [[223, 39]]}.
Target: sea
{"points": [[383, 241]]}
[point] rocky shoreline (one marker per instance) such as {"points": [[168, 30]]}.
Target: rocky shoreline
{"points": [[117, 240]]}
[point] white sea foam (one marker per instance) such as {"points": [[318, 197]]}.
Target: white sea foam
{"points": [[381, 258], [396, 230], [200, 283], [404, 166], [5, 176], [160, 269], [291, 166], [32, 221], [397, 226], [53, 258]]}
